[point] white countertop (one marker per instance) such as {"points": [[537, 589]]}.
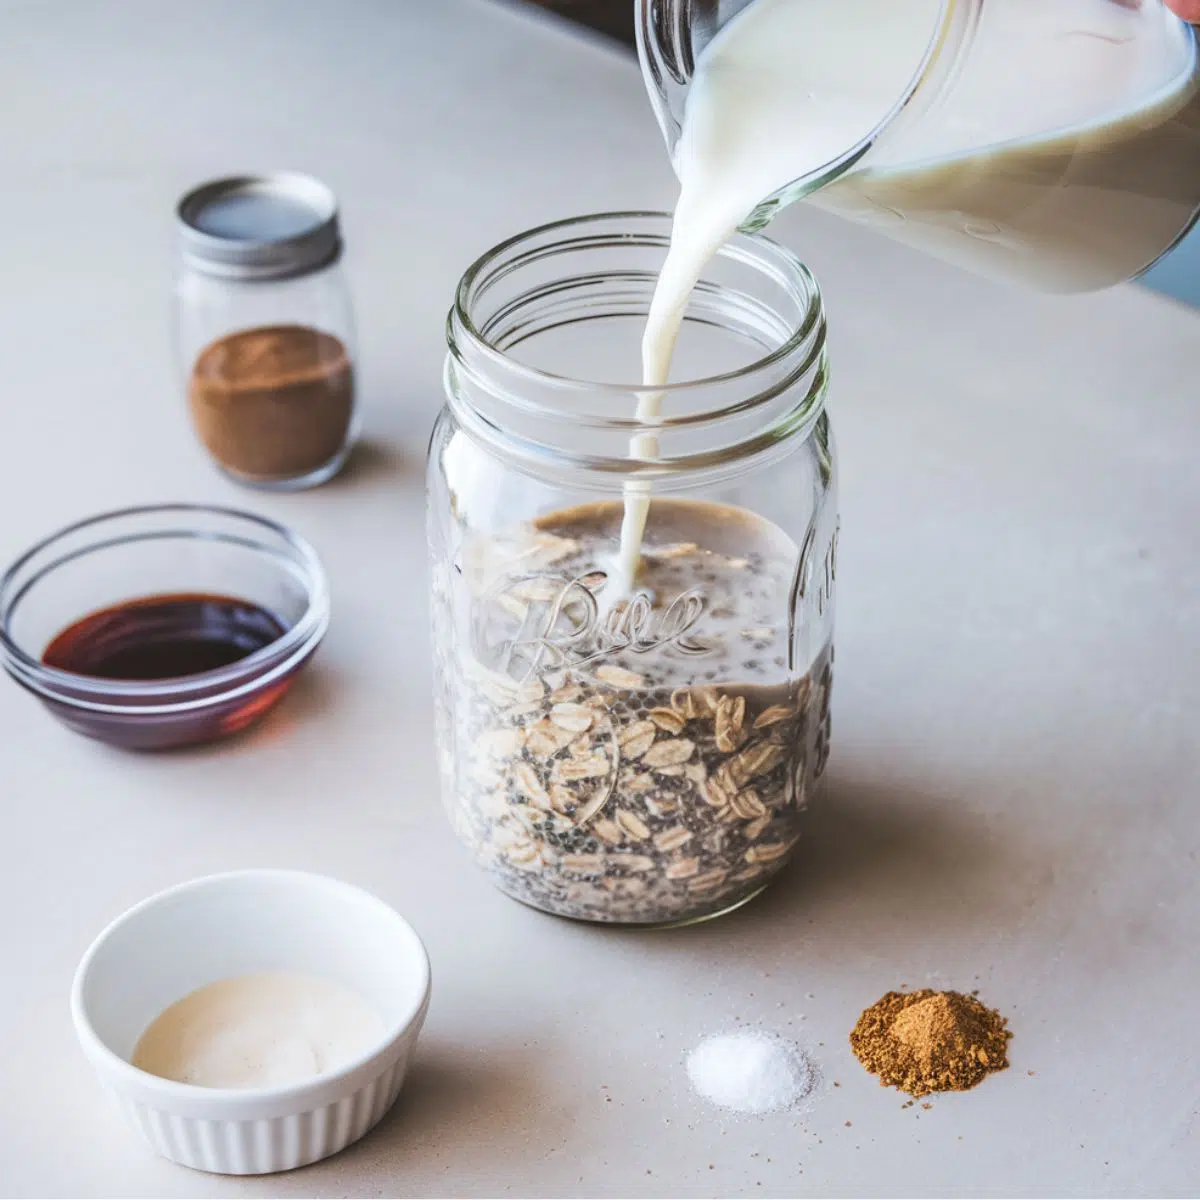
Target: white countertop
{"points": [[1012, 800]]}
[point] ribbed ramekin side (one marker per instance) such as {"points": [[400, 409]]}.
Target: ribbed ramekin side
{"points": [[260, 1147]]}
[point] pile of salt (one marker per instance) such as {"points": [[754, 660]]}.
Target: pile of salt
{"points": [[750, 1072]]}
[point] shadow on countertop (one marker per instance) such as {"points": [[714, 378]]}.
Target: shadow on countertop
{"points": [[613, 18]]}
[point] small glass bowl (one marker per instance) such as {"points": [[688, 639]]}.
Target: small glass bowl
{"points": [[162, 550]]}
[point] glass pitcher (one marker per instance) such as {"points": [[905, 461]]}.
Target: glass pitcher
{"points": [[1055, 142]]}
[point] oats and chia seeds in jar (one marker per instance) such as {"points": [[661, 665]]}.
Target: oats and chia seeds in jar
{"points": [[632, 752]]}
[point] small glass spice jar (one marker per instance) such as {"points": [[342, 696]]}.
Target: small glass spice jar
{"points": [[635, 756], [266, 329]]}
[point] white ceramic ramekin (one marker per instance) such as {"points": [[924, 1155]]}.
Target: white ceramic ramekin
{"points": [[226, 925]]}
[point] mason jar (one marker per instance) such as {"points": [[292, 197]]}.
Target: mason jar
{"points": [[265, 329], [632, 753]]}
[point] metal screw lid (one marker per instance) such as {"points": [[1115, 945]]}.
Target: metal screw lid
{"points": [[259, 226]]}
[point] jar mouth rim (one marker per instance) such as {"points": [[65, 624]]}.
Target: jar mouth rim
{"points": [[787, 264]]}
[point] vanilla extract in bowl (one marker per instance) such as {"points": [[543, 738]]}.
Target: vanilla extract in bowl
{"points": [[183, 669], [164, 637], [164, 626]]}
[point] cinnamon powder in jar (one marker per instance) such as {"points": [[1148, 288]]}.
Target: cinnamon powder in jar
{"points": [[273, 403]]}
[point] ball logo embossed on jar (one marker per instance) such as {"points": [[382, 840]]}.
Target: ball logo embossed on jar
{"points": [[539, 622]]}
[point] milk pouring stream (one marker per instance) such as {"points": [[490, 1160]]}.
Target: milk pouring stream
{"points": [[1056, 141]]}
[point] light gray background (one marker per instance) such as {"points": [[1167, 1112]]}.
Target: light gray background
{"points": [[1013, 788]]}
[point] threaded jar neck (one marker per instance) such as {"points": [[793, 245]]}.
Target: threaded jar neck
{"points": [[544, 335]]}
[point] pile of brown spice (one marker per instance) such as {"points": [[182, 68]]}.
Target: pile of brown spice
{"points": [[927, 1041]]}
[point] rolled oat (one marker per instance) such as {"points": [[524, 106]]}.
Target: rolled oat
{"points": [[619, 763]]}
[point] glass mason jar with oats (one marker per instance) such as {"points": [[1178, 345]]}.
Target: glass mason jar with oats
{"points": [[635, 754]]}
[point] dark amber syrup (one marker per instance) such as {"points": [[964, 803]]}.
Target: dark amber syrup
{"points": [[183, 639], [163, 637]]}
